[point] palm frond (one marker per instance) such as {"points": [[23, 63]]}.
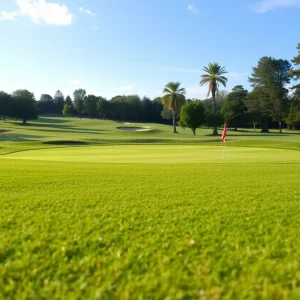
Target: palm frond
{"points": [[182, 91], [173, 95], [213, 76], [167, 91]]}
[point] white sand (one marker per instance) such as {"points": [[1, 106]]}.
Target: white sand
{"points": [[136, 129]]}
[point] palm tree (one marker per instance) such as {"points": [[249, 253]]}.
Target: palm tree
{"points": [[174, 98], [213, 77]]}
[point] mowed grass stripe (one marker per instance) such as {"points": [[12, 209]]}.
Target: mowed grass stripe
{"points": [[160, 154]]}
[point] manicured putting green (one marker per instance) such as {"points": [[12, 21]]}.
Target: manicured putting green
{"points": [[160, 154]]}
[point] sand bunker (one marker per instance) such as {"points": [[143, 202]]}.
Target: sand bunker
{"points": [[127, 128]]}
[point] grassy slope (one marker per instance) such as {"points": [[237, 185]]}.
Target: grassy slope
{"points": [[95, 227]]}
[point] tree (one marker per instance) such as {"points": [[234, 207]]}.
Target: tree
{"points": [[147, 110], [212, 119], [192, 115], [59, 102], [213, 77], [259, 104], [102, 107], [157, 108], [167, 114], [89, 105], [296, 61], [46, 104], [221, 96], [132, 108], [270, 77], [293, 117], [78, 100], [5, 104], [234, 107], [174, 98], [24, 106], [68, 110], [68, 100]]}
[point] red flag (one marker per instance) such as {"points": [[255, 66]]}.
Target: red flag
{"points": [[224, 134]]}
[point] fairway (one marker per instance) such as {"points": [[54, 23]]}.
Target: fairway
{"points": [[184, 219]]}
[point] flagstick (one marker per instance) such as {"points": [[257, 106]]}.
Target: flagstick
{"points": [[224, 139]]}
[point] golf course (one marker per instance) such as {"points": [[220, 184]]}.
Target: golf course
{"points": [[89, 211]]}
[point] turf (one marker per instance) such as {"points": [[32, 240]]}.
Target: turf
{"points": [[177, 219]]}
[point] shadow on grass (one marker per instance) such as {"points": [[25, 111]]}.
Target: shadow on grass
{"points": [[72, 130], [51, 120], [66, 143], [19, 138], [151, 141]]}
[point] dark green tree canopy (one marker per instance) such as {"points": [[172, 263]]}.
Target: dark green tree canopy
{"points": [[89, 105], [46, 97], [296, 61], [268, 80], [102, 107], [5, 104], [192, 115], [234, 107], [59, 101], [270, 72], [24, 106], [46, 104], [78, 100], [68, 100]]}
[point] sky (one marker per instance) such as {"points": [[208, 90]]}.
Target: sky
{"points": [[121, 47]]}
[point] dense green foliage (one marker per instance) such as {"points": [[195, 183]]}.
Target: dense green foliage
{"points": [[234, 107], [175, 218], [5, 104], [79, 96], [296, 61], [90, 105], [24, 106], [192, 115], [268, 80], [68, 110]]}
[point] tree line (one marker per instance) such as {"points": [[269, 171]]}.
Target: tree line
{"points": [[270, 102]]}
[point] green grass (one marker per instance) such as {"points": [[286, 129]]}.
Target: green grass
{"points": [[147, 215]]}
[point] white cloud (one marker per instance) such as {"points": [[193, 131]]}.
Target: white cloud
{"points": [[41, 12], [264, 6], [125, 88], [193, 9], [8, 16], [75, 82], [86, 11]]}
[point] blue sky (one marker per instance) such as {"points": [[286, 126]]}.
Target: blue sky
{"points": [[112, 47]]}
